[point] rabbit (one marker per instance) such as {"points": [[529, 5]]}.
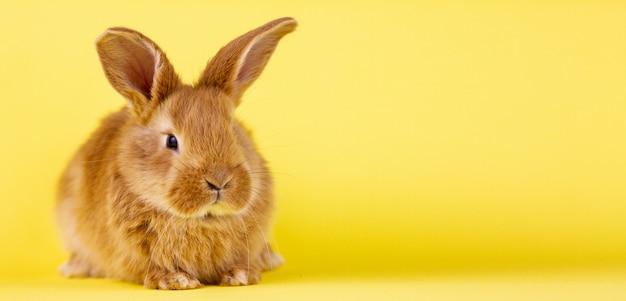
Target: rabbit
{"points": [[170, 191]]}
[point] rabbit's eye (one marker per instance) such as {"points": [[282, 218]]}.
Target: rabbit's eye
{"points": [[171, 142]]}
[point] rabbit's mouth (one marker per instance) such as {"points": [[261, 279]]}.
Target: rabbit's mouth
{"points": [[225, 200], [211, 210], [224, 208], [217, 191]]}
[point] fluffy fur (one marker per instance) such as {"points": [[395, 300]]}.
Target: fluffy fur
{"points": [[130, 208]]}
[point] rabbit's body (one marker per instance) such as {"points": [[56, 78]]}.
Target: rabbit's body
{"points": [[170, 191]]}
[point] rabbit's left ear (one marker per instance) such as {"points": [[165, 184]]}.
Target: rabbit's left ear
{"points": [[238, 64], [137, 68]]}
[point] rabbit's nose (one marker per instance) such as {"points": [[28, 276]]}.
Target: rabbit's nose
{"points": [[214, 187]]}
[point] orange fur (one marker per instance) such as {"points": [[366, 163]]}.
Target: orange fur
{"points": [[132, 209]]}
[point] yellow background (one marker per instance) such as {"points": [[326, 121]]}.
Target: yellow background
{"points": [[411, 141]]}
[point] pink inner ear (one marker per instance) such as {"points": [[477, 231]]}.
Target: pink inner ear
{"points": [[139, 66], [253, 63]]}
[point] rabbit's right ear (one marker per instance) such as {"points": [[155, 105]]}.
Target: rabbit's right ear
{"points": [[238, 64], [137, 68]]}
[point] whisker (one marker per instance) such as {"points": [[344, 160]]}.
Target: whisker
{"points": [[97, 161], [165, 229], [269, 171], [245, 232], [275, 146], [181, 244], [267, 247]]}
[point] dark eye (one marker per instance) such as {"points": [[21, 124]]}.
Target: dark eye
{"points": [[171, 142]]}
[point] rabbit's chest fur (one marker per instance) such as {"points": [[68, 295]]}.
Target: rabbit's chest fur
{"points": [[203, 247]]}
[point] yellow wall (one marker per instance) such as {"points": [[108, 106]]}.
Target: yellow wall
{"points": [[405, 135]]}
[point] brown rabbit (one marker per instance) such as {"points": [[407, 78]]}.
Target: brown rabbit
{"points": [[170, 191]]}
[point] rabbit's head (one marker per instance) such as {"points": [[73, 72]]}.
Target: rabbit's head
{"points": [[182, 149]]}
